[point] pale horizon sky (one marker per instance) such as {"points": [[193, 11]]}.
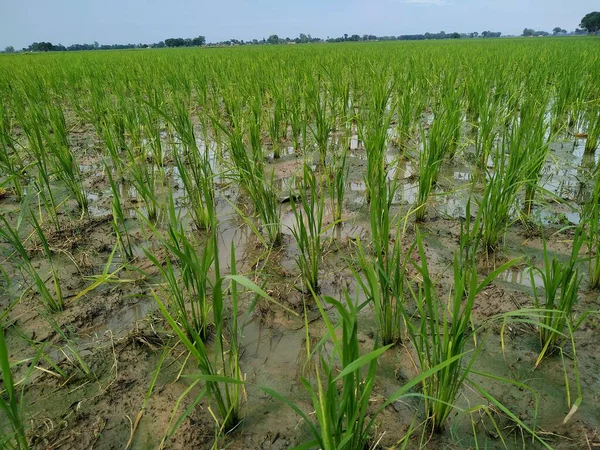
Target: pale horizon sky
{"points": [[147, 21]]}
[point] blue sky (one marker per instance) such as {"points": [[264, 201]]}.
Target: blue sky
{"points": [[133, 21]]}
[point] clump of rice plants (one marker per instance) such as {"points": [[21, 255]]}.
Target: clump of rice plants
{"points": [[441, 333], [118, 222], [65, 165], [144, 180], [561, 290], [383, 282], [341, 412], [593, 128], [249, 173], [317, 99], [590, 220], [337, 176], [437, 143], [536, 139], [194, 169], [192, 287], [308, 229], [502, 187]]}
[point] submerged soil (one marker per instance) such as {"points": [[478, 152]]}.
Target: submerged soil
{"points": [[119, 332]]}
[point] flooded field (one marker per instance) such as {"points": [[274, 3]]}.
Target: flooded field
{"points": [[353, 246]]}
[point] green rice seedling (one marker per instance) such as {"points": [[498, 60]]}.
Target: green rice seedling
{"points": [[267, 205], [409, 104], [341, 400], [143, 179], [431, 158], [118, 222], [191, 288], [590, 220], [383, 282], [133, 126], [10, 162], [342, 389], [53, 303], [10, 404], [255, 130], [488, 115], [251, 177], [593, 128], [499, 199], [308, 228], [194, 168], [442, 332], [341, 105], [152, 128], [65, 165], [114, 148], [33, 122], [297, 116], [561, 291], [452, 113], [275, 122], [337, 178], [536, 143], [221, 373], [49, 258], [374, 133], [317, 99]]}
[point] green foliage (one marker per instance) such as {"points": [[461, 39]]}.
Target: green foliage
{"points": [[591, 22]]}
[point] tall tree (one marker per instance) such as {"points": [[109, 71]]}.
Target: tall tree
{"points": [[591, 22]]}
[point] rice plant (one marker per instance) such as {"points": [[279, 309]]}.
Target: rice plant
{"points": [[143, 176], [252, 179], [441, 332], [118, 222], [308, 228], [65, 165], [194, 169], [561, 291], [499, 199], [52, 302], [593, 128], [10, 162], [590, 220], [536, 143], [341, 396], [33, 123], [383, 283], [11, 402], [188, 294], [431, 157], [337, 176], [317, 99]]}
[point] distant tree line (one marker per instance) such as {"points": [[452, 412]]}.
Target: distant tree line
{"points": [[304, 38], [590, 23], [49, 47]]}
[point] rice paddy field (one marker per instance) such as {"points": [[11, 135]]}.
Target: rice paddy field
{"points": [[338, 246]]}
